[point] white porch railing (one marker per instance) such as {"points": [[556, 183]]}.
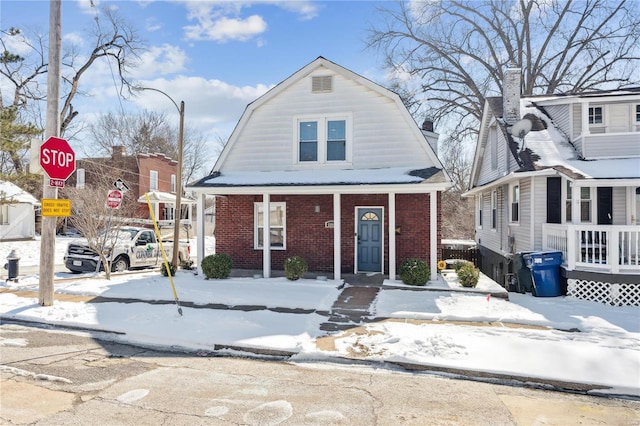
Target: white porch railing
{"points": [[610, 249]]}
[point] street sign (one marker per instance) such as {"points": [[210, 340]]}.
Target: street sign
{"points": [[58, 160], [56, 207], [114, 199], [120, 185]]}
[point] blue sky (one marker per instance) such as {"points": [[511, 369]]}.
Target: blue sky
{"points": [[216, 56]]}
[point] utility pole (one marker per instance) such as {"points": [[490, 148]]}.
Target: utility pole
{"points": [[48, 232]]}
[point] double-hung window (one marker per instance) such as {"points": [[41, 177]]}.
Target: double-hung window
{"points": [[585, 204], [80, 176], [480, 201], [153, 180], [595, 115], [514, 191], [277, 225], [323, 139], [568, 202]]}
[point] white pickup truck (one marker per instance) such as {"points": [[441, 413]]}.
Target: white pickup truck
{"points": [[129, 248]]}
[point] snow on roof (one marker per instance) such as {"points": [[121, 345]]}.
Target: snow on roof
{"points": [[391, 175], [13, 192], [554, 150]]}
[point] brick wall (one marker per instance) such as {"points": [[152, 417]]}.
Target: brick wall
{"points": [[306, 235]]}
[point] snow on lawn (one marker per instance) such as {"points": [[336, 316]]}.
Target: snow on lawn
{"points": [[558, 338]]}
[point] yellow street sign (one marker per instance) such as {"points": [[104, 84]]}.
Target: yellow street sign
{"points": [[55, 207]]}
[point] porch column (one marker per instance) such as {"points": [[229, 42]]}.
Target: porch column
{"points": [[337, 238], [392, 236], [433, 235], [266, 236], [200, 231]]}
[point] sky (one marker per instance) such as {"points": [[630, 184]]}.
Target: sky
{"points": [[217, 57], [549, 338]]}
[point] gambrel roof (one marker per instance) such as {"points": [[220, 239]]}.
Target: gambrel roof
{"points": [[401, 158]]}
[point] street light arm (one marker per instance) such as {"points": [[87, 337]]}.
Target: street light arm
{"points": [[142, 89]]}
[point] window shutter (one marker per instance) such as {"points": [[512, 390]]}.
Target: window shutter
{"points": [[321, 84], [554, 200]]}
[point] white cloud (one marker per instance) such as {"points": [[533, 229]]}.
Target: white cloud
{"points": [[225, 29], [163, 60], [152, 24]]}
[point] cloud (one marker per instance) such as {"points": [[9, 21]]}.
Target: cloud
{"points": [[225, 29], [222, 21], [163, 60], [152, 24]]}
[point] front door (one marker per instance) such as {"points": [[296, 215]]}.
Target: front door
{"points": [[369, 239]]}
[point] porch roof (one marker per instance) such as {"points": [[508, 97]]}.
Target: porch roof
{"points": [[321, 178]]}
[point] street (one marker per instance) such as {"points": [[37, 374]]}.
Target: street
{"points": [[54, 377]]}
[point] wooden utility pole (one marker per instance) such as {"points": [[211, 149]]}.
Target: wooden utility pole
{"points": [[48, 233]]}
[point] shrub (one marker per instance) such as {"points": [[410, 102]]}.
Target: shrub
{"points": [[295, 267], [458, 264], [163, 270], [414, 272], [468, 275], [217, 265]]}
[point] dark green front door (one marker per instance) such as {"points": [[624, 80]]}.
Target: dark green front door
{"points": [[370, 240]]}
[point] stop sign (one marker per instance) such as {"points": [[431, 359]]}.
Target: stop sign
{"points": [[57, 158], [114, 199]]}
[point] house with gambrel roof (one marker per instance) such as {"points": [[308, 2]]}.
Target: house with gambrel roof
{"points": [[329, 166], [561, 173]]}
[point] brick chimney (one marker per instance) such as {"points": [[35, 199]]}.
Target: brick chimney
{"points": [[118, 151], [511, 90]]}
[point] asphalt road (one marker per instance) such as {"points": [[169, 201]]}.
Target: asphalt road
{"points": [[55, 378]]}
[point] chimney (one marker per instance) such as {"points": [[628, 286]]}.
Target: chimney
{"points": [[427, 124], [511, 94], [429, 134], [118, 151]]}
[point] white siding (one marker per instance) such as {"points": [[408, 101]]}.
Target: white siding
{"points": [[539, 210], [381, 135], [493, 239], [487, 174], [619, 196], [577, 126], [561, 116], [521, 230]]}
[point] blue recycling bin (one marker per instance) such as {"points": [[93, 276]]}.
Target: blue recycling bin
{"points": [[545, 271]]}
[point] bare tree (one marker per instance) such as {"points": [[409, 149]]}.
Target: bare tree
{"points": [[148, 132], [458, 220], [114, 40], [458, 50], [96, 222]]}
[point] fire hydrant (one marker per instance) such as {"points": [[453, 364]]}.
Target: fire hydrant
{"points": [[12, 266]]}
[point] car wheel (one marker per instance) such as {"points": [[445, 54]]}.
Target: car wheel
{"points": [[121, 264]]}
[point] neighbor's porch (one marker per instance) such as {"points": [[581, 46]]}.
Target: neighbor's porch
{"points": [[609, 249]]}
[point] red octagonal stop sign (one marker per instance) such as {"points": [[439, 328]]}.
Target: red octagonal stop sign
{"points": [[57, 158]]}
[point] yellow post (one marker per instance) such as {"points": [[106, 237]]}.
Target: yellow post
{"points": [[164, 254]]}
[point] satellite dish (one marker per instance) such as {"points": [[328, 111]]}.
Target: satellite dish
{"points": [[521, 128]]}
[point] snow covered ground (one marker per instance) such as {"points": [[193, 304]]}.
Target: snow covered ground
{"points": [[558, 339]]}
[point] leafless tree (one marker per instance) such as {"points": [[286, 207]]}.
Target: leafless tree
{"points": [[458, 220], [457, 50], [96, 222], [148, 132], [114, 40], [448, 55]]}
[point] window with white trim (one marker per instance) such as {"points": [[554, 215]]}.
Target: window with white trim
{"points": [[323, 139], [514, 198], [277, 225], [494, 209], [153, 180], [638, 114], [80, 176], [4, 214], [173, 183], [480, 201], [595, 115]]}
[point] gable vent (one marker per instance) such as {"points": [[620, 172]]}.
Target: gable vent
{"points": [[321, 84]]}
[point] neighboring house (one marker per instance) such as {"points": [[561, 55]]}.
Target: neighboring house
{"points": [[332, 168], [141, 173], [17, 213], [562, 173]]}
